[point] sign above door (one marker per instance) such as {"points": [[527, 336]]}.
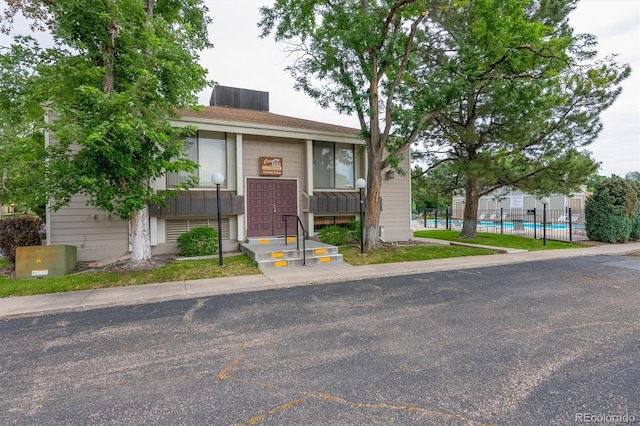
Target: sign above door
{"points": [[270, 166]]}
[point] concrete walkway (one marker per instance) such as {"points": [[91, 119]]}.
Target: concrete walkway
{"points": [[280, 278]]}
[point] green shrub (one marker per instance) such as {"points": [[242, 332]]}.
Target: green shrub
{"points": [[354, 231], [334, 235], [610, 211], [635, 227], [202, 241], [20, 231], [621, 229]]}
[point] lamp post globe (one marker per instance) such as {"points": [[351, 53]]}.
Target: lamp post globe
{"points": [[217, 178]]}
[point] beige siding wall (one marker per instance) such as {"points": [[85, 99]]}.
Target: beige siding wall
{"points": [[291, 151], [396, 205], [97, 234], [293, 160]]}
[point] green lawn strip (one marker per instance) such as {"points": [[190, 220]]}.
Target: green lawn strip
{"points": [[176, 271], [392, 254], [499, 240]]}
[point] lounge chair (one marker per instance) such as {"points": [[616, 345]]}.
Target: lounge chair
{"points": [[481, 217], [561, 219], [574, 218]]}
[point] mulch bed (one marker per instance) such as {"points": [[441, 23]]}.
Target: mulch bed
{"points": [[8, 271]]}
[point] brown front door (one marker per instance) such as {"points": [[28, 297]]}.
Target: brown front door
{"points": [[267, 201]]}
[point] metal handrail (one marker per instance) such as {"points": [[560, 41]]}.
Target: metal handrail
{"points": [[304, 233]]}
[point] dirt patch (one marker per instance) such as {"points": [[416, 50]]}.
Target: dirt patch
{"points": [[124, 265], [8, 271], [634, 253]]}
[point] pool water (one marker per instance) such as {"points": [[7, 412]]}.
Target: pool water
{"points": [[506, 224], [531, 225]]}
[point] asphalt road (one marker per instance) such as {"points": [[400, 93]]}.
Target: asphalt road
{"points": [[543, 343]]}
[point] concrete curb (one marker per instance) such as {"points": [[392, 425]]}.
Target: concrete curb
{"points": [[12, 307]]}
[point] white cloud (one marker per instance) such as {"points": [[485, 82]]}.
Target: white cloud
{"points": [[241, 59], [616, 24]]}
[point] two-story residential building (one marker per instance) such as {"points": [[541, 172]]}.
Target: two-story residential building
{"points": [[273, 165]]}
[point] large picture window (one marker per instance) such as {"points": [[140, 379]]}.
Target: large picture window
{"points": [[209, 150], [333, 166]]}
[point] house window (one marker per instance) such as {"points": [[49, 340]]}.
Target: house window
{"points": [[209, 150], [333, 165]]}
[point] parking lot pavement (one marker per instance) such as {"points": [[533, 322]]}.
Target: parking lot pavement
{"points": [[552, 342]]}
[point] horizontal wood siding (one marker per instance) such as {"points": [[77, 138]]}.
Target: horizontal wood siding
{"points": [[97, 234], [396, 205], [85, 226], [291, 151], [177, 227]]}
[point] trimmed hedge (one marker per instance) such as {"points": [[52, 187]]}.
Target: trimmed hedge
{"points": [[20, 231], [201, 241]]}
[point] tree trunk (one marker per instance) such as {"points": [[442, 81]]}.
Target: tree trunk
{"points": [[470, 218], [372, 203], [108, 84], [140, 239]]}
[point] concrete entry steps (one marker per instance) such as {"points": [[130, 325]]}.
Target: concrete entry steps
{"points": [[272, 252]]}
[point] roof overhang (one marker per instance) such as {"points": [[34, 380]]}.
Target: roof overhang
{"points": [[266, 130]]}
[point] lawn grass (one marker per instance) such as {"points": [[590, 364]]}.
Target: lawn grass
{"points": [[243, 265], [499, 240], [392, 254], [176, 271]]}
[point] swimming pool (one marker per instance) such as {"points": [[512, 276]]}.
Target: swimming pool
{"points": [[531, 225], [431, 223]]}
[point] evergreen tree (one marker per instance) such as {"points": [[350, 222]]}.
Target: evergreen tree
{"points": [[525, 102]]}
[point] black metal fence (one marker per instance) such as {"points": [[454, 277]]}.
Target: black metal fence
{"points": [[541, 223]]}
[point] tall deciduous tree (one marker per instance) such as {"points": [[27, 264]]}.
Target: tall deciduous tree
{"points": [[119, 71], [512, 94], [357, 56], [525, 99], [21, 130]]}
